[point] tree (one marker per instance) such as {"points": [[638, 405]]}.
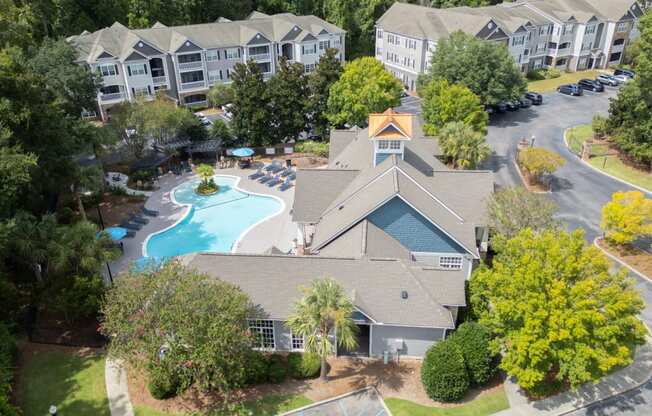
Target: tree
{"points": [[513, 209], [324, 310], [443, 103], [164, 121], [626, 217], [364, 87], [128, 123], [463, 146], [220, 94], [15, 176], [327, 71], [286, 97], [16, 23], [220, 130], [556, 312], [539, 161], [473, 340], [251, 118], [193, 324], [486, 68], [205, 172], [443, 373]]}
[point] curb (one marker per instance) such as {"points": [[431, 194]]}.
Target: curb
{"points": [[520, 175], [585, 163], [622, 263], [117, 391]]}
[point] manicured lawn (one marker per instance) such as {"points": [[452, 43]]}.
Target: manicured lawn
{"points": [[146, 411], [274, 404], [72, 382], [614, 166], [548, 85], [486, 404], [578, 135]]}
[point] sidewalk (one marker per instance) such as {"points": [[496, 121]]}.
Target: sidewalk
{"points": [[616, 383], [117, 391]]}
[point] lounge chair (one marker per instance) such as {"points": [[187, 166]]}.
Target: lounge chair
{"points": [[258, 174], [137, 218], [292, 176], [276, 169], [130, 225], [149, 212], [285, 185], [130, 234], [266, 178], [274, 182], [286, 172]]}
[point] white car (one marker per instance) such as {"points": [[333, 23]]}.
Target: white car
{"points": [[622, 78]]}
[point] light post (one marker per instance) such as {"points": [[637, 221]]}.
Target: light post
{"points": [[532, 141], [53, 410]]}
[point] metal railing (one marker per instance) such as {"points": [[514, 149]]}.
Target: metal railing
{"points": [[193, 85], [259, 56], [159, 80], [191, 65], [112, 96]]}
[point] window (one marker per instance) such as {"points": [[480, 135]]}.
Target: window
{"points": [[263, 330], [395, 144], [564, 45], [568, 29], [379, 51], [265, 67], [108, 70], [590, 30], [541, 47], [111, 89], [213, 76], [450, 262], [140, 91], [193, 57], [308, 68], [195, 98], [615, 57], [383, 144], [379, 33], [622, 27], [560, 62], [309, 49], [324, 44], [137, 69], [619, 42], [232, 53], [192, 76], [259, 50], [212, 55], [297, 342], [518, 40]]}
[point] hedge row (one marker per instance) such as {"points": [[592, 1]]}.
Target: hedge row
{"points": [[7, 355], [453, 365]]}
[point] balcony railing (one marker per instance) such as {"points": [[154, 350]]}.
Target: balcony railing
{"points": [[193, 85], [159, 80], [191, 65], [112, 96], [259, 56]]}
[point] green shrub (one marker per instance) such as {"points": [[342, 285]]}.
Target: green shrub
{"points": [[443, 372], [473, 340], [7, 355], [599, 125], [536, 75], [316, 148], [117, 191], [277, 369], [162, 383], [305, 365], [141, 175], [257, 368], [551, 73]]}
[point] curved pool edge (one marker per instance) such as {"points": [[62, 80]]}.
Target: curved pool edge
{"points": [[190, 207]]}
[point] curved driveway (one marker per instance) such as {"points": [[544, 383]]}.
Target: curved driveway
{"points": [[579, 190]]}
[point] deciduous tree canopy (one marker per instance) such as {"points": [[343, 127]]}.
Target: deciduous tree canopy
{"points": [[443, 103], [627, 217]]}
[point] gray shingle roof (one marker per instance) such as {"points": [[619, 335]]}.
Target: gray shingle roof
{"points": [[315, 191], [275, 282]]}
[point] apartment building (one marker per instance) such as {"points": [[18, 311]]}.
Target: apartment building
{"points": [[185, 61], [569, 35]]}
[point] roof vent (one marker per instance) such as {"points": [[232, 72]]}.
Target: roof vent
{"points": [[341, 207], [140, 44], [404, 294], [490, 25], [187, 43]]}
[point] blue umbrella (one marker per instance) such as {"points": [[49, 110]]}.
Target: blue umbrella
{"points": [[242, 152], [116, 233]]}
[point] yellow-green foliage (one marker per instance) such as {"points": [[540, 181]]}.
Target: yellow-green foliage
{"points": [[539, 161], [558, 315], [444, 103], [205, 172], [627, 217]]}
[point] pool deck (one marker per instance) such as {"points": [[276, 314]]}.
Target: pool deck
{"points": [[278, 230]]}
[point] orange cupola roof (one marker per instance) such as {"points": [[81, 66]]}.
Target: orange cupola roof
{"points": [[390, 125]]}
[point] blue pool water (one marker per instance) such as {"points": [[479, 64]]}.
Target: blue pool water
{"points": [[214, 222]]}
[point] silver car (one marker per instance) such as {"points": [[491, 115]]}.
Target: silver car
{"points": [[607, 80], [622, 78]]}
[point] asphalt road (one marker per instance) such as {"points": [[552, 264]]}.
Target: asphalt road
{"points": [[579, 191]]}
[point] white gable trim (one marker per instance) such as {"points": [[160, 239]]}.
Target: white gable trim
{"points": [[396, 127]]}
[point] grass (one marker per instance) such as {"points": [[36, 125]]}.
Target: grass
{"points": [[577, 135], [274, 404], [486, 404], [72, 382], [615, 167], [147, 411], [548, 85]]}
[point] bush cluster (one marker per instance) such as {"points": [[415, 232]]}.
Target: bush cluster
{"points": [[316, 148], [262, 368], [305, 365], [543, 73], [453, 365], [162, 382], [208, 187], [7, 355]]}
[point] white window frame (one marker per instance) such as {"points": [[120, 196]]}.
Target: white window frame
{"points": [[212, 55], [308, 68], [451, 262], [261, 327], [621, 27], [108, 70], [589, 30], [309, 49], [137, 69], [141, 91], [383, 144], [214, 75], [298, 340], [395, 145], [518, 40], [232, 54], [324, 44]]}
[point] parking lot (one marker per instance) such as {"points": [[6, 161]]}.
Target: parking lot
{"points": [[365, 402]]}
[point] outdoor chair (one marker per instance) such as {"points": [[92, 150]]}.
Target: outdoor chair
{"points": [[130, 225], [292, 176], [149, 212], [130, 234], [258, 174], [266, 178], [138, 219], [286, 172], [275, 181], [286, 185]]}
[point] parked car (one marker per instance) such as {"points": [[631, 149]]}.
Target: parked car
{"points": [[525, 102], [501, 107], [622, 78], [625, 72], [489, 109], [513, 105], [570, 89], [605, 79], [404, 94], [589, 84], [535, 97]]}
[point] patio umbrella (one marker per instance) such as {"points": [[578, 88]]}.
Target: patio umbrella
{"points": [[243, 152], [116, 233]]}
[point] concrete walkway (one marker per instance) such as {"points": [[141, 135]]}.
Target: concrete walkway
{"points": [[619, 382], [116, 389]]}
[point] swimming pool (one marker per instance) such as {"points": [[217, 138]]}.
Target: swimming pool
{"points": [[214, 223]]}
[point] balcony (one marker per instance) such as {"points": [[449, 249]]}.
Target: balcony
{"points": [[159, 80], [193, 85], [112, 97], [191, 65], [260, 56]]}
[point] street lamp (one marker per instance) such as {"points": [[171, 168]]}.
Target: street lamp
{"points": [[53, 410], [532, 141]]}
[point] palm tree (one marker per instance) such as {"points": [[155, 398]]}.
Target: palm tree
{"points": [[205, 172], [462, 145], [324, 308]]}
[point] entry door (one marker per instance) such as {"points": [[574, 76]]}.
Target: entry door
{"points": [[362, 350]]}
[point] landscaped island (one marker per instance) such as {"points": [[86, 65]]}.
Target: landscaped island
{"points": [[207, 186]]}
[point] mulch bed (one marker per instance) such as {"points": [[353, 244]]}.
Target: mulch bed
{"points": [[51, 328], [115, 208], [630, 255]]}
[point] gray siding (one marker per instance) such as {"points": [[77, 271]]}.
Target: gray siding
{"points": [[416, 341]]}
